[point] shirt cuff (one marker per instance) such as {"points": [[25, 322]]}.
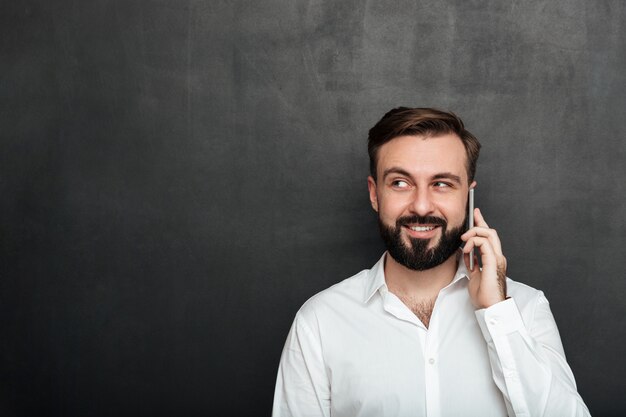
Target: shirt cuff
{"points": [[499, 320]]}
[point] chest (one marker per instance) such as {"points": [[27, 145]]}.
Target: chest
{"points": [[388, 365]]}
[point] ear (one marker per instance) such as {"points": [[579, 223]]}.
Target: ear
{"points": [[371, 186], [473, 184]]}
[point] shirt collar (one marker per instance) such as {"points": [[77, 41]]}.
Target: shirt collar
{"points": [[376, 275], [375, 278]]}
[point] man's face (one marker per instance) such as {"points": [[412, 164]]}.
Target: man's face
{"points": [[421, 197]]}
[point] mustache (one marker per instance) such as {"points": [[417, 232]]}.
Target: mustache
{"points": [[406, 220]]}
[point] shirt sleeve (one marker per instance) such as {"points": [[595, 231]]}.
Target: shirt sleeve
{"points": [[302, 386], [527, 361]]}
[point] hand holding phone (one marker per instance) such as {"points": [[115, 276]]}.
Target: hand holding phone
{"points": [[487, 285]]}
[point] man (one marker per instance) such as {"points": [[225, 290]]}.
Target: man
{"points": [[420, 334]]}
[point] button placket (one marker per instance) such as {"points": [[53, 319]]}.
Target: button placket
{"points": [[431, 373]]}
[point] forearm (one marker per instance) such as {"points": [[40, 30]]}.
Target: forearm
{"points": [[529, 366]]}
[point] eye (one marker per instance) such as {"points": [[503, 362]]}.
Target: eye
{"points": [[441, 184], [399, 184]]}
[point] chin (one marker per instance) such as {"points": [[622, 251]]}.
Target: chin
{"points": [[432, 241]]}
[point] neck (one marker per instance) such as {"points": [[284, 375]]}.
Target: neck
{"points": [[419, 284]]}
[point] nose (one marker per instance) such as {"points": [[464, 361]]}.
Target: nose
{"points": [[422, 203]]}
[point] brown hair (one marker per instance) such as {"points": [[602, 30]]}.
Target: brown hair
{"points": [[427, 122]]}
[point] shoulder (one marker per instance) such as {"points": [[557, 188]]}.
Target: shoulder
{"points": [[335, 300]]}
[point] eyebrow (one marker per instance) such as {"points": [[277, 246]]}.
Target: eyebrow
{"points": [[448, 176], [439, 176], [396, 170]]}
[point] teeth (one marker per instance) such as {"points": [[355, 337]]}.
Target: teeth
{"points": [[422, 229]]}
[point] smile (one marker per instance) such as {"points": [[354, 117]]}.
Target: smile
{"points": [[421, 228]]}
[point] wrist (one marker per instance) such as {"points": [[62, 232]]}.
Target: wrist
{"points": [[492, 302]]}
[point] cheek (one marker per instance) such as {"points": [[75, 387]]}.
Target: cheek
{"points": [[391, 208], [455, 213]]}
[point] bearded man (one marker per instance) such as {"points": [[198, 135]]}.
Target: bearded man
{"points": [[422, 334]]}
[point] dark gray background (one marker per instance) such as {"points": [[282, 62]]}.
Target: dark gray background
{"points": [[178, 177]]}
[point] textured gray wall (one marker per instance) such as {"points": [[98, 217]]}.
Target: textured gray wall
{"points": [[178, 177]]}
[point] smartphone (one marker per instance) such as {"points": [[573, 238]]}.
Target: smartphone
{"points": [[470, 223]]}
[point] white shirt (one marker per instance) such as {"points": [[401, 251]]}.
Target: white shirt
{"points": [[356, 350]]}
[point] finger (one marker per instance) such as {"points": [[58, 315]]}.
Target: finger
{"points": [[484, 245], [469, 245], [479, 220], [491, 234], [476, 231], [466, 259]]}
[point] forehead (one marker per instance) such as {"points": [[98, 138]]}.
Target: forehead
{"points": [[424, 156]]}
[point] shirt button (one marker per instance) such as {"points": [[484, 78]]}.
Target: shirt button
{"points": [[431, 361], [493, 322]]}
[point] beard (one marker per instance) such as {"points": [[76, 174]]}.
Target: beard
{"points": [[417, 256]]}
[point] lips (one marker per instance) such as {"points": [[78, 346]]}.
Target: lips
{"points": [[414, 221]]}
